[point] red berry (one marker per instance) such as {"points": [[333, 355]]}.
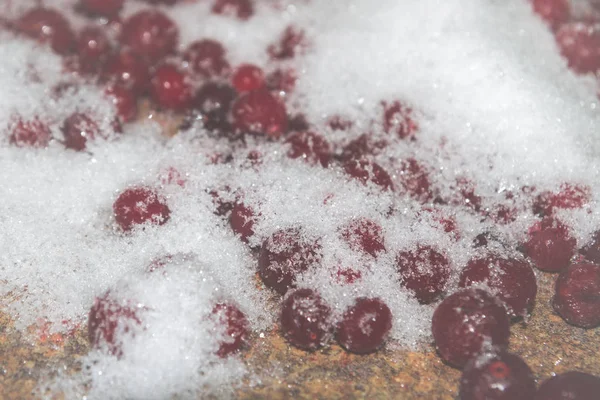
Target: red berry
{"points": [[282, 80], [29, 133], [140, 205], [415, 179], [467, 195], [365, 326], [259, 111], [207, 58], [92, 49], [242, 221], [510, 279], [248, 77], [367, 171], [242, 9], [283, 256], [348, 275], [397, 119], [550, 249], [170, 88], [591, 251], [105, 8], [424, 271], [577, 295], [127, 69], [292, 41], [555, 12], [221, 205], [124, 100], [364, 145], [211, 106], [150, 34], [306, 319], [467, 321], [109, 320], [365, 236], [339, 123], [298, 123], [572, 385], [47, 26], [569, 197], [309, 146], [78, 129], [497, 375], [232, 325], [580, 44]]}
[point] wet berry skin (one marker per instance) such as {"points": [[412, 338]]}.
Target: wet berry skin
{"points": [[424, 271], [47, 25], [306, 319], [364, 326], [577, 295], [170, 88], [260, 112], [150, 34], [550, 249], [232, 323], [467, 320], [139, 205], [511, 280], [497, 375], [242, 220], [572, 385]]}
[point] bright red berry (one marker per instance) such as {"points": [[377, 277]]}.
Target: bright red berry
{"points": [[397, 119], [47, 26], [364, 326], [580, 44], [309, 146], [124, 100], [232, 324], [127, 69], [150, 34], [572, 385], [555, 12], [241, 9], [140, 205], [207, 58], [365, 236], [170, 88], [93, 48], [259, 111], [368, 171], [424, 271], [248, 77], [105, 8], [29, 133], [577, 295], [242, 220]]}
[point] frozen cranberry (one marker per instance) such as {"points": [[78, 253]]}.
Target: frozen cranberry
{"points": [[291, 42], [93, 49], [591, 251], [466, 321], [580, 44], [497, 375], [364, 326], [555, 12], [309, 146], [550, 249], [368, 171], [170, 88], [397, 119], [30, 133], [577, 295], [466, 194], [248, 77], [150, 34], [47, 25], [510, 279], [260, 112], [447, 222], [283, 256], [210, 105], [233, 325], [424, 271], [242, 220], [415, 179], [207, 58], [127, 69], [364, 145], [109, 320], [298, 123], [105, 8], [569, 197], [140, 205], [282, 80], [78, 129], [242, 9], [348, 275], [502, 214], [339, 123], [572, 385], [365, 236], [222, 206], [306, 319], [124, 100]]}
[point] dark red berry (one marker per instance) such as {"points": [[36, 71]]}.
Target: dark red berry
{"points": [[124, 100], [242, 9], [140, 205], [105, 8], [298, 123], [242, 220], [306, 319], [150, 34], [285, 255], [572, 385], [591, 251], [292, 42], [93, 48], [577, 295], [364, 145], [282, 80], [207, 58], [364, 326], [415, 179], [232, 325], [170, 88], [248, 77], [465, 322], [555, 12], [424, 271], [211, 105], [259, 111], [569, 197], [365, 236], [47, 26], [368, 171], [466, 194], [579, 43], [127, 69], [510, 279], [339, 123], [29, 133], [347, 275], [550, 249], [309, 146], [497, 375], [78, 129], [397, 119]]}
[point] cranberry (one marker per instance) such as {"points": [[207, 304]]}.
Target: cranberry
{"points": [[468, 197], [47, 25], [580, 44], [306, 319], [259, 111], [78, 129], [242, 220], [124, 100], [466, 321], [309, 146], [497, 375], [424, 271], [572, 385], [139, 205], [221, 206], [30, 133], [242, 9], [248, 77], [339, 123], [364, 145], [93, 49], [364, 326], [512, 280], [368, 171], [105, 8], [577, 295], [127, 69], [591, 251], [170, 88], [569, 197], [108, 320], [502, 214], [298, 123], [282, 80], [550, 249], [150, 34], [364, 235], [555, 12], [211, 104], [283, 256], [206, 58], [415, 179], [233, 325], [397, 119], [291, 42], [348, 275]]}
